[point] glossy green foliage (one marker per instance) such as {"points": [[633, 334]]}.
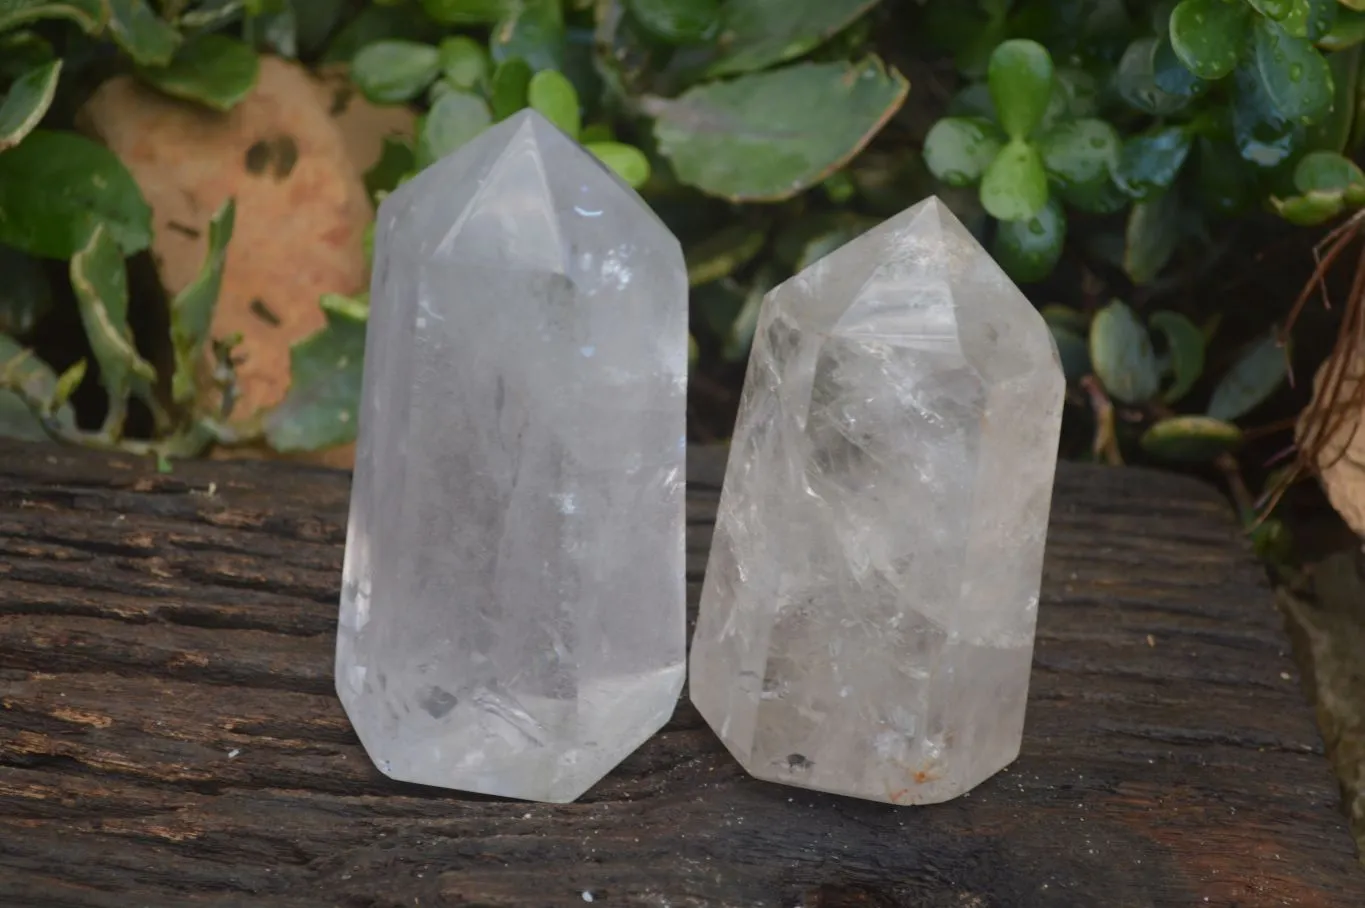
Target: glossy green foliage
{"points": [[695, 103], [1145, 366], [1083, 138], [1193, 111]]}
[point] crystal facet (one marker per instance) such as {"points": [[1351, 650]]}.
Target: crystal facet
{"points": [[512, 615], [867, 618]]}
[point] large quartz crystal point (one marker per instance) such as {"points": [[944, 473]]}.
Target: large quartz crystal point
{"points": [[867, 618], [512, 613]]}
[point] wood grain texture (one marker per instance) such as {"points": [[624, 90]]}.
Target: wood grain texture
{"points": [[169, 735]]}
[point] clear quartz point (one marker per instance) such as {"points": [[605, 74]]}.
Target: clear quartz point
{"points": [[867, 618], [512, 615]]}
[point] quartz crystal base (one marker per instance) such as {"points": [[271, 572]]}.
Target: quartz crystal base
{"points": [[867, 618], [512, 616]]}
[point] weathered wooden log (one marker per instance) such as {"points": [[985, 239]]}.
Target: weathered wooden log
{"points": [[169, 735]]}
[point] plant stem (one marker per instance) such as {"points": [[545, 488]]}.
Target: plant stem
{"points": [[1106, 438]]}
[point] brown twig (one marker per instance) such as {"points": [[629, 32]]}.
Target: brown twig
{"points": [[1237, 487], [1333, 414], [1106, 443]]}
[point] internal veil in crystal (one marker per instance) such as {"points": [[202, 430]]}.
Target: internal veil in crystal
{"points": [[512, 617], [867, 617]]}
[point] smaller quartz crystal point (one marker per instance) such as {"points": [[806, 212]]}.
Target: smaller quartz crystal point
{"points": [[513, 602], [867, 618]]}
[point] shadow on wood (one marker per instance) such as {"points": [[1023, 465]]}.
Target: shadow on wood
{"points": [[169, 735]]}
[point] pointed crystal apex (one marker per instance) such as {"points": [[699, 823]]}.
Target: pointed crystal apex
{"points": [[866, 620], [512, 616]]}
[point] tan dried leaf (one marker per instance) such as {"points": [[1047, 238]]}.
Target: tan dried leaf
{"points": [[1341, 459]]}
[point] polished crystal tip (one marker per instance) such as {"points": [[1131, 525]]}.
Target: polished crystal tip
{"points": [[867, 617], [512, 616]]}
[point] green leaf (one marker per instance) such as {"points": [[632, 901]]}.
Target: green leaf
{"points": [[740, 337], [768, 136], [1185, 347], [21, 51], [722, 252], [958, 150], [1191, 439], [1020, 81], [678, 21], [274, 28], [464, 62], [213, 70], [36, 384], [1103, 197], [90, 15], [755, 34], [56, 187], [1311, 19], [319, 410], [1121, 352], [555, 98], [1073, 352], [442, 87], [1255, 375], [511, 81], [1333, 132], [28, 99], [456, 118], [966, 30], [1208, 35], [1310, 209], [192, 308], [378, 23], [67, 383], [596, 132], [314, 22], [467, 12], [1135, 81], [715, 305], [1079, 154], [101, 284], [1172, 76], [973, 102], [1274, 9], [626, 161], [1327, 171], [1273, 542], [827, 228], [1075, 96], [391, 72], [25, 294], [1295, 76], [396, 159], [1347, 31], [1225, 184], [145, 36], [532, 31], [840, 187], [1028, 250], [1328, 183], [843, 228], [1150, 239], [210, 15], [1066, 317], [1015, 185], [1262, 134], [1148, 164]]}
